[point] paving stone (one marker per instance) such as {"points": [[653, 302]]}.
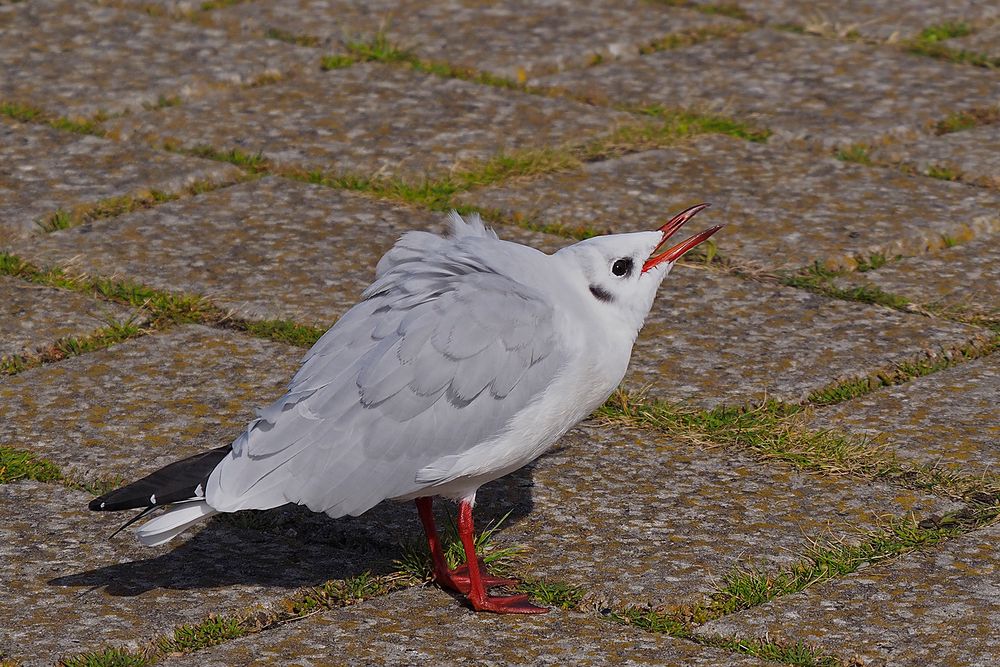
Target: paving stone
{"points": [[428, 627], [43, 170], [139, 405], [519, 39], [880, 19], [712, 338], [65, 588], [373, 119], [938, 606], [985, 41], [804, 88], [32, 316], [972, 155], [962, 278], [784, 209], [78, 59], [634, 516], [951, 417], [272, 248]]}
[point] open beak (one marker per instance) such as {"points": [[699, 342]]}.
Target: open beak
{"points": [[674, 253]]}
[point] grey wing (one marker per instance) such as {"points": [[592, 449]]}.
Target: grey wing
{"points": [[413, 375]]}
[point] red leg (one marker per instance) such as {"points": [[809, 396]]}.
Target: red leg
{"points": [[514, 604], [458, 578]]}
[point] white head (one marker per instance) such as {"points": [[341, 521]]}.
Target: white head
{"points": [[623, 271]]}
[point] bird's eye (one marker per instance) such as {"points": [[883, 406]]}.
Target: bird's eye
{"points": [[622, 267]]}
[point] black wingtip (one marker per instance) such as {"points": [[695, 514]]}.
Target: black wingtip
{"points": [[174, 483]]}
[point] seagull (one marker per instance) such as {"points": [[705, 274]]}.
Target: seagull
{"points": [[465, 359]]}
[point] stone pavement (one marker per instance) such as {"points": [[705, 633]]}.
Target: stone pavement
{"points": [[800, 466]]}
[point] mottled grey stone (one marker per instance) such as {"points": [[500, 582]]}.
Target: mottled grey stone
{"points": [[951, 418], [880, 19], [972, 155], [804, 88], [963, 278], [637, 516], [32, 316], [518, 39], [139, 405], [428, 627], [782, 208], [373, 119], [938, 606], [65, 588], [43, 170], [78, 59], [712, 338], [269, 248], [985, 41]]}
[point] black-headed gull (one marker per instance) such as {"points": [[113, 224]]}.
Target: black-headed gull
{"points": [[466, 359]]}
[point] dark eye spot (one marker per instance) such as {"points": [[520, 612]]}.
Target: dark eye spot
{"points": [[622, 267], [600, 293]]}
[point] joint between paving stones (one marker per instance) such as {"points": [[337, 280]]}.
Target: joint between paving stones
{"points": [[770, 431], [413, 569], [746, 588], [162, 309]]}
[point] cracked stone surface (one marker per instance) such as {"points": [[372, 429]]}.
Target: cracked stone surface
{"points": [[804, 88], [972, 155], [782, 208], [518, 40], [962, 278], [137, 406], [75, 59], [43, 170], [938, 606], [713, 338], [65, 588], [879, 19], [373, 119], [951, 418], [272, 248], [428, 627], [32, 316], [666, 531]]}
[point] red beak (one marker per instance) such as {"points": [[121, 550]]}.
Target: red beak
{"points": [[674, 253]]}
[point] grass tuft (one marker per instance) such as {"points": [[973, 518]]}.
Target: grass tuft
{"points": [[857, 153], [109, 657], [967, 119], [210, 632], [553, 594], [29, 114], [931, 42], [16, 464]]}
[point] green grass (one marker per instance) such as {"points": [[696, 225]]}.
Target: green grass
{"points": [[771, 431], [291, 38], [16, 464], [109, 657], [160, 308], [942, 172], [932, 43], [337, 61], [553, 594], [899, 373], [210, 632], [687, 38], [415, 558], [30, 114], [857, 153], [872, 262], [820, 280], [967, 119]]}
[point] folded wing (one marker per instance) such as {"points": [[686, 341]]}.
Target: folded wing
{"points": [[437, 359]]}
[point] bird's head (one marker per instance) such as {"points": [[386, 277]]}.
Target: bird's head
{"points": [[623, 271]]}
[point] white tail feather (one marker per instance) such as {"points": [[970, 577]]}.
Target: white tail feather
{"points": [[173, 522]]}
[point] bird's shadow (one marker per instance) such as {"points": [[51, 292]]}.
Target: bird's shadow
{"points": [[291, 547]]}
